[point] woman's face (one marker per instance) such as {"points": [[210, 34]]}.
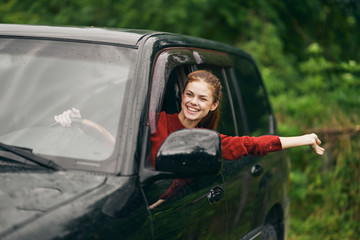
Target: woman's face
{"points": [[197, 100]]}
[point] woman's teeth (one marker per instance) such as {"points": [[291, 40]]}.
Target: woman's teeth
{"points": [[192, 109]]}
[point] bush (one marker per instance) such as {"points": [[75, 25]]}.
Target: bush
{"points": [[325, 190]]}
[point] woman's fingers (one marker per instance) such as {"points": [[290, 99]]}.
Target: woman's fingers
{"points": [[317, 149], [320, 150], [315, 146]]}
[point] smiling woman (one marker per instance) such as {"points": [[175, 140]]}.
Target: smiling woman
{"points": [[200, 109], [200, 101]]}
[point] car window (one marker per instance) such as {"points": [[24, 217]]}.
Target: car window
{"points": [[254, 96], [227, 119], [187, 60], [41, 78], [239, 111]]}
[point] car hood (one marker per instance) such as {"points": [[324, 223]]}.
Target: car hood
{"points": [[26, 196]]}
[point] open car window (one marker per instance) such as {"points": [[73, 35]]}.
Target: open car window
{"points": [[167, 86]]}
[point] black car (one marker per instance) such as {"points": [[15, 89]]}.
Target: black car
{"points": [[93, 180]]}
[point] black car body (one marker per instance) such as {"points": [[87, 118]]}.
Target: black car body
{"points": [[93, 180]]}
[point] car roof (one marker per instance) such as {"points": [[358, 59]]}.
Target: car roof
{"points": [[113, 36], [128, 37]]}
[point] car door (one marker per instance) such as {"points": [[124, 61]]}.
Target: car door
{"points": [[240, 177], [250, 175], [198, 209]]}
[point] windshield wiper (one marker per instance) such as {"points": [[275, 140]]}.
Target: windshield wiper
{"points": [[29, 155]]}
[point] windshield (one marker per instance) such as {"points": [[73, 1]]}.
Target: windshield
{"points": [[40, 79]]}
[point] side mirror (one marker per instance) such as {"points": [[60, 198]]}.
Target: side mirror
{"points": [[190, 153]]}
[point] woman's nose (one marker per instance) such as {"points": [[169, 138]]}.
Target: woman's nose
{"points": [[193, 101]]}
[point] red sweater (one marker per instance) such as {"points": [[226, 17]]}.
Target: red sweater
{"points": [[232, 147]]}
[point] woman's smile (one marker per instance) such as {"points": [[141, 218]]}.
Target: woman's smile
{"points": [[197, 101], [191, 109]]}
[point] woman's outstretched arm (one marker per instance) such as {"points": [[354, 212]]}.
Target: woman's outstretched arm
{"points": [[311, 140]]}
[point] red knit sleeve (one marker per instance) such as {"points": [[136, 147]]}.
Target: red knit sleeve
{"points": [[236, 147], [158, 136]]}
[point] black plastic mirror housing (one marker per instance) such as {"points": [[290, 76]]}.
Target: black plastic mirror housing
{"points": [[190, 153]]}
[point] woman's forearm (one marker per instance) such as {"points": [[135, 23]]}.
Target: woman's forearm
{"points": [[289, 142], [311, 140]]}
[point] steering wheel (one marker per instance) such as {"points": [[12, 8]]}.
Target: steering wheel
{"points": [[85, 124]]}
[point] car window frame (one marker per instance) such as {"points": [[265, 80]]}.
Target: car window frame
{"points": [[236, 93], [166, 61]]}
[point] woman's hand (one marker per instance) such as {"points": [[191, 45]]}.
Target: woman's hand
{"points": [[64, 119], [157, 203], [315, 145], [311, 140]]}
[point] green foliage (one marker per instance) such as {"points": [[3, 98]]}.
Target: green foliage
{"points": [[328, 195], [308, 53], [325, 97]]}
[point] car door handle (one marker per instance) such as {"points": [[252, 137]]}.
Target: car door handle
{"points": [[215, 194], [257, 170]]}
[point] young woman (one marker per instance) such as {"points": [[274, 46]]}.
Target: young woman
{"points": [[200, 108]]}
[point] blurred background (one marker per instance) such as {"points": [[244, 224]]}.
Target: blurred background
{"points": [[308, 53]]}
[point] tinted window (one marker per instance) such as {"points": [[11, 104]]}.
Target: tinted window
{"points": [[240, 116], [254, 96]]}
